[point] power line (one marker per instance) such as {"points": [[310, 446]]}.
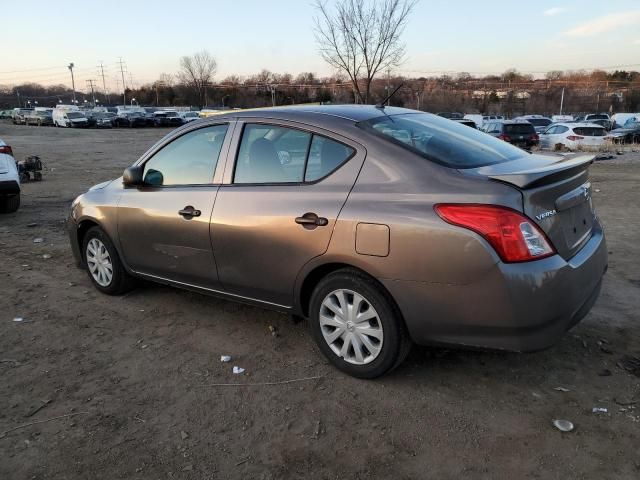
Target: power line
{"points": [[124, 85]]}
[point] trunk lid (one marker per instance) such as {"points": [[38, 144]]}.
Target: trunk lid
{"points": [[556, 195]]}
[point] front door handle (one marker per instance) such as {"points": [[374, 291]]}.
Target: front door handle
{"points": [[189, 212], [311, 220]]}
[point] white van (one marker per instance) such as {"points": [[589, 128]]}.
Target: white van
{"points": [[476, 118], [69, 118]]}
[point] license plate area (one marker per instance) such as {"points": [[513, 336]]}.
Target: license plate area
{"points": [[577, 223]]}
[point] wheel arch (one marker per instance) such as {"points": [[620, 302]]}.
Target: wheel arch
{"points": [[317, 273]]}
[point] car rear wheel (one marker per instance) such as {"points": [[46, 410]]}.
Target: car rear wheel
{"points": [[357, 326], [104, 267], [9, 204]]}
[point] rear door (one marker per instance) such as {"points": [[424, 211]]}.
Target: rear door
{"points": [[278, 205]]}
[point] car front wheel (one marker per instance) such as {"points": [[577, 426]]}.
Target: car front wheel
{"points": [[104, 267], [357, 326]]}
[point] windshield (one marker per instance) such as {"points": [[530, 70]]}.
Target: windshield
{"points": [[43, 114], [539, 122], [74, 115], [442, 141]]}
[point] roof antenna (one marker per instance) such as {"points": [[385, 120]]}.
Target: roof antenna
{"points": [[381, 104]]}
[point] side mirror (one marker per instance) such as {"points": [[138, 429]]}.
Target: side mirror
{"points": [[132, 176]]}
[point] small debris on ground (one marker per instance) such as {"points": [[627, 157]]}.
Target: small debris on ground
{"points": [[38, 240], [273, 330], [18, 319], [46, 256], [631, 364], [237, 370], [600, 410], [563, 425], [225, 358], [184, 435], [562, 389]]}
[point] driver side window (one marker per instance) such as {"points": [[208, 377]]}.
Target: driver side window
{"points": [[188, 160]]}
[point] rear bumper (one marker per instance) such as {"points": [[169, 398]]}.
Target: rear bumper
{"points": [[9, 187], [517, 307]]}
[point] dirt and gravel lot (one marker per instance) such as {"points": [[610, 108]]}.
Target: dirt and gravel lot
{"points": [[131, 373]]}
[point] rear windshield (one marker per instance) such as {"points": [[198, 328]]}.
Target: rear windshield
{"points": [[539, 122], [601, 116], [442, 141], [74, 115], [590, 131], [519, 128]]}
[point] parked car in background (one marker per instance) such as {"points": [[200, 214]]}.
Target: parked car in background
{"points": [[130, 119], [103, 119], [597, 118], [190, 116], [520, 134], [465, 121], [516, 253], [167, 118], [9, 180], [562, 118], [19, 114], [6, 114], [69, 118], [450, 115], [629, 133], [476, 118], [619, 119], [539, 122], [573, 136], [39, 117]]}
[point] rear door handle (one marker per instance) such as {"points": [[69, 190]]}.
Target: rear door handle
{"points": [[311, 220], [189, 212]]}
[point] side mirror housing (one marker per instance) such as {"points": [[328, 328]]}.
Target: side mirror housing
{"points": [[132, 176]]}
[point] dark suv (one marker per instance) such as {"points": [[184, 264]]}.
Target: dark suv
{"points": [[520, 134]]}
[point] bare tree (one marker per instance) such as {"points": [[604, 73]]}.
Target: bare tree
{"points": [[362, 38], [197, 71]]}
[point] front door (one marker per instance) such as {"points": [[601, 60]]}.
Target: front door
{"points": [[163, 225], [276, 210]]}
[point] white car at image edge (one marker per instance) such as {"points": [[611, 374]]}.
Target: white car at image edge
{"points": [[573, 136], [9, 180]]}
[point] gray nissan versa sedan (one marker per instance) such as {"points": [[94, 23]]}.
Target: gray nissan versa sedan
{"points": [[383, 226]]}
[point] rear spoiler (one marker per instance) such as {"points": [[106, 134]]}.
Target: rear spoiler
{"points": [[548, 173]]}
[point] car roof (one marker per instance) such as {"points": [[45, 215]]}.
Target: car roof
{"points": [[577, 124], [354, 113]]}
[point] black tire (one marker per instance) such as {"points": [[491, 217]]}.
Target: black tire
{"points": [[396, 344], [9, 204], [121, 281]]}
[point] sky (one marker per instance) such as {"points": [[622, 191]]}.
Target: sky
{"points": [[246, 36]]}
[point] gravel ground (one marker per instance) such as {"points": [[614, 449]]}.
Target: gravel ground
{"points": [[131, 376]]}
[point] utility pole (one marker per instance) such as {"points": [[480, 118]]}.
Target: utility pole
{"points": [[273, 95], [73, 83], [562, 101], [91, 84], [104, 83], [124, 87]]}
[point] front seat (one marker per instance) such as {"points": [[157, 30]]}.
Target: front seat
{"points": [[264, 162]]}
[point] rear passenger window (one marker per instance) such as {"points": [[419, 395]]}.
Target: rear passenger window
{"points": [[325, 156], [273, 154]]}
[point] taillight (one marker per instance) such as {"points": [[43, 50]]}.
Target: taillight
{"points": [[6, 149], [535, 137], [573, 138], [506, 138], [512, 235]]}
